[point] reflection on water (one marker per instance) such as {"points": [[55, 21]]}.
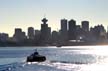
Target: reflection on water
{"points": [[71, 58]]}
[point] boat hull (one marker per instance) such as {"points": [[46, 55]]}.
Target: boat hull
{"points": [[36, 59]]}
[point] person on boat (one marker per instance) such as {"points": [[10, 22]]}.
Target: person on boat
{"points": [[36, 53]]}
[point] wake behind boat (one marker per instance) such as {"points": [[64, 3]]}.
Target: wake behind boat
{"points": [[36, 57]]}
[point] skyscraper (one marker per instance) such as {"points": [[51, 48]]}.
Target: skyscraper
{"points": [[64, 25], [31, 33], [64, 34], [18, 35], [85, 25], [4, 37], [72, 29], [55, 37]]}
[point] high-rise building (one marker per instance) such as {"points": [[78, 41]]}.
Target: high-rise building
{"points": [[85, 30], [18, 31], [24, 36], [72, 29], [49, 32], [99, 32], [45, 31], [18, 35], [31, 33], [64, 25], [85, 25], [37, 32], [37, 36], [4, 37], [55, 37], [64, 33]]}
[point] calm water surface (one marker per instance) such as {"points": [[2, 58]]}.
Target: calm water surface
{"points": [[71, 58]]}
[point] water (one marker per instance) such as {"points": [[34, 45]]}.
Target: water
{"points": [[71, 58]]}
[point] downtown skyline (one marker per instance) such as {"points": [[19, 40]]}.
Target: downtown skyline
{"points": [[26, 13], [69, 34]]}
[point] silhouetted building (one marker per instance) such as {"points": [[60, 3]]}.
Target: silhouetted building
{"points": [[49, 34], [55, 37], [85, 26], [64, 32], [92, 33], [37, 37], [37, 32], [24, 37], [72, 29], [18, 35], [64, 25], [85, 31], [31, 33], [4, 37], [45, 32], [99, 33], [78, 33]]}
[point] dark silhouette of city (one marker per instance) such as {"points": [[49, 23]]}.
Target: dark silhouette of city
{"points": [[69, 34]]}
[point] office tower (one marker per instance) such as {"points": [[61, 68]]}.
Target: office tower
{"points": [[37, 32], [99, 33], [78, 32], [18, 35], [37, 36], [85, 30], [63, 25], [31, 33], [72, 29], [4, 37], [18, 31], [85, 25], [55, 37], [49, 33], [24, 36], [64, 33]]}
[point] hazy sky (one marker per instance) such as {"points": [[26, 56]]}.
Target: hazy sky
{"points": [[25, 13]]}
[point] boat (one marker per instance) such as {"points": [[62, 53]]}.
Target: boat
{"points": [[36, 57]]}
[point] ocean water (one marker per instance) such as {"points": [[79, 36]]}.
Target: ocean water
{"points": [[68, 58]]}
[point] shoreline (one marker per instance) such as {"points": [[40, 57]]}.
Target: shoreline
{"points": [[66, 44]]}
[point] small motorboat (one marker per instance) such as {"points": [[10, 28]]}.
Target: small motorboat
{"points": [[35, 57]]}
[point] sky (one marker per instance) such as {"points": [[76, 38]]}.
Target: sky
{"points": [[29, 13]]}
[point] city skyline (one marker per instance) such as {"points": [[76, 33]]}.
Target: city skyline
{"points": [[69, 34], [26, 13]]}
